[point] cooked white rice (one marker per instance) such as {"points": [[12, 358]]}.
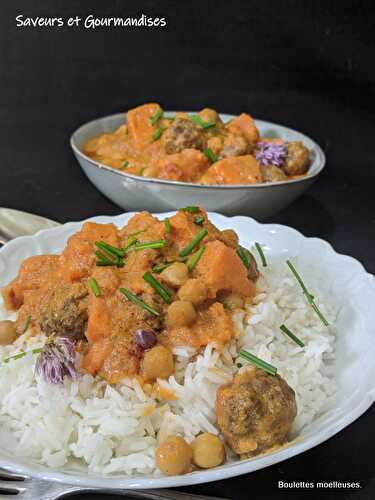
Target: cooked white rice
{"points": [[115, 429]]}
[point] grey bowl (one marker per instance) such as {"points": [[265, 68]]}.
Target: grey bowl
{"points": [[135, 193]]}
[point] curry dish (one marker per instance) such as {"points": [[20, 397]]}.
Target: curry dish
{"points": [[197, 148], [124, 298]]}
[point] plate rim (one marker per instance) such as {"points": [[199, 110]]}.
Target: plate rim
{"points": [[203, 476]]}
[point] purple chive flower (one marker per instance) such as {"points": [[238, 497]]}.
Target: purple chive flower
{"points": [[57, 360], [269, 153]]}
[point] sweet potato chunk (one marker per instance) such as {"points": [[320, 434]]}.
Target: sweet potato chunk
{"points": [[244, 125], [234, 170], [139, 124], [186, 166], [221, 269]]}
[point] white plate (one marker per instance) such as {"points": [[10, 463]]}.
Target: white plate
{"points": [[132, 192], [346, 283]]}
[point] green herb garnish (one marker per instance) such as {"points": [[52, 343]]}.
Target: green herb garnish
{"points": [[195, 258], [140, 171], [212, 158], [158, 133], [107, 259], [94, 287], [308, 295], [291, 335], [239, 365], [27, 324], [132, 240], [198, 220], [23, 354], [156, 116], [199, 121], [158, 287], [106, 247], [150, 244], [159, 268], [261, 254], [167, 224], [194, 242], [125, 164], [190, 210], [259, 363], [138, 302], [243, 254]]}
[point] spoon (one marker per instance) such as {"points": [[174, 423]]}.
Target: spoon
{"points": [[14, 223]]}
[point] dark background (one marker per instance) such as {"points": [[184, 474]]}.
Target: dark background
{"points": [[306, 64]]}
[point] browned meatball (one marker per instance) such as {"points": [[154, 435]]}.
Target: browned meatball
{"points": [[255, 412], [183, 134], [64, 312], [234, 145], [271, 173], [297, 160]]}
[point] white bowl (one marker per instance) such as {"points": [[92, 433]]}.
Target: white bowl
{"points": [[132, 192], [343, 278]]}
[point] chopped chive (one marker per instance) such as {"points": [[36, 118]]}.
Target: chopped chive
{"points": [[243, 255], [150, 244], [308, 295], [198, 220], [131, 235], [27, 324], [171, 118], [159, 268], [158, 287], [210, 155], [190, 210], [158, 133], [261, 254], [22, 354], [116, 252], [156, 116], [167, 224], [195, 258], [138, 302], [95, 287], [132, 240], [109, 259], [287, 332], [239, 365], [199, 121], [140, 171], [102, 263], [194, 242], [259, 363], [125, 164]]}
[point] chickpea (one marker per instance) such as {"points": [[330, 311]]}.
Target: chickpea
{"points": [[230, 237], [173, 456], [233, 301], [194, 291], [8, 332], [181, 313], [158, 363], [176, 274], [208, 451]]}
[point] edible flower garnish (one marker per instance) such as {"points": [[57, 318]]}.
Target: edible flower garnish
{"points": [[259, 363], [57, 360], [310, 298], [269, 153], [291, 335], [261, 254]]}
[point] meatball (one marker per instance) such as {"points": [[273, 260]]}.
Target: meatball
{"points": [[64, 312], [255, 412], [234, 145], [183, 134], [297, 160], [271, 173]]}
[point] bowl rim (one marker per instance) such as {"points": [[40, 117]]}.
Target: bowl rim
{"points": [[321, 161]]}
